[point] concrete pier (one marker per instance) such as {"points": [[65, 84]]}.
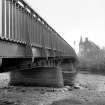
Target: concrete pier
{"points": [[41, 76]]}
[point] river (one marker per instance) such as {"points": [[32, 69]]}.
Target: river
{"points": [[91, 81]]}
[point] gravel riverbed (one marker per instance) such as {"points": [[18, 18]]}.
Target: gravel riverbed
{"points": [[89, 90]]}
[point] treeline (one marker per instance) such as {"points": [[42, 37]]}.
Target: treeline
{"points": [[92, 65]]}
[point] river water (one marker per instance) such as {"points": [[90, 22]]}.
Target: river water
{"points": [[91, 81]]}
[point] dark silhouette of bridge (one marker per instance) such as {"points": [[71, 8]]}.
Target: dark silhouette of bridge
{"points": [[31, 49]]}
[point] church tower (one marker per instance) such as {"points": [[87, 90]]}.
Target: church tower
{"points": [[81, 41], [81, 46]]}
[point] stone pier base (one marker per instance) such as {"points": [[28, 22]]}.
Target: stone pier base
{"points": [[42, 76], [69, 78], [69, 73]]}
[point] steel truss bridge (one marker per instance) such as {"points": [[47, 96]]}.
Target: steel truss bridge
{"points": [[31, 49]]}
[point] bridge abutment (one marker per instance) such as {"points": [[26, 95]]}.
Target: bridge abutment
{"points": [[42, 76]]}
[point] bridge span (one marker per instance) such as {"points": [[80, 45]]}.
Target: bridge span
{"points": [[31, 49]]}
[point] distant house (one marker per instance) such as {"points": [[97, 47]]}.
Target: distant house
{"points": [[91, 57], [88, 49]]}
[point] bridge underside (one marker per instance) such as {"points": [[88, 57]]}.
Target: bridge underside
{"points": [[42, 72]]}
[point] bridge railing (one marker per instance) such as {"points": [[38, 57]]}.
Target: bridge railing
{"points": [[21, 24]]}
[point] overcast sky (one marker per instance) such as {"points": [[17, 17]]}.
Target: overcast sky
{"points": [[73, 18]]}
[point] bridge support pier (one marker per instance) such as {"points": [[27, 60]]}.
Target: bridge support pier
{"points": [[69, 73], [41, 76]]}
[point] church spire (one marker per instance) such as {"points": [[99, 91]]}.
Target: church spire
{"points": [[81, 41]]}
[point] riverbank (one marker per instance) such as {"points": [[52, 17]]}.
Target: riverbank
{"points": [[45, 96], [84, 97], [33, 95], [89, 90]]}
